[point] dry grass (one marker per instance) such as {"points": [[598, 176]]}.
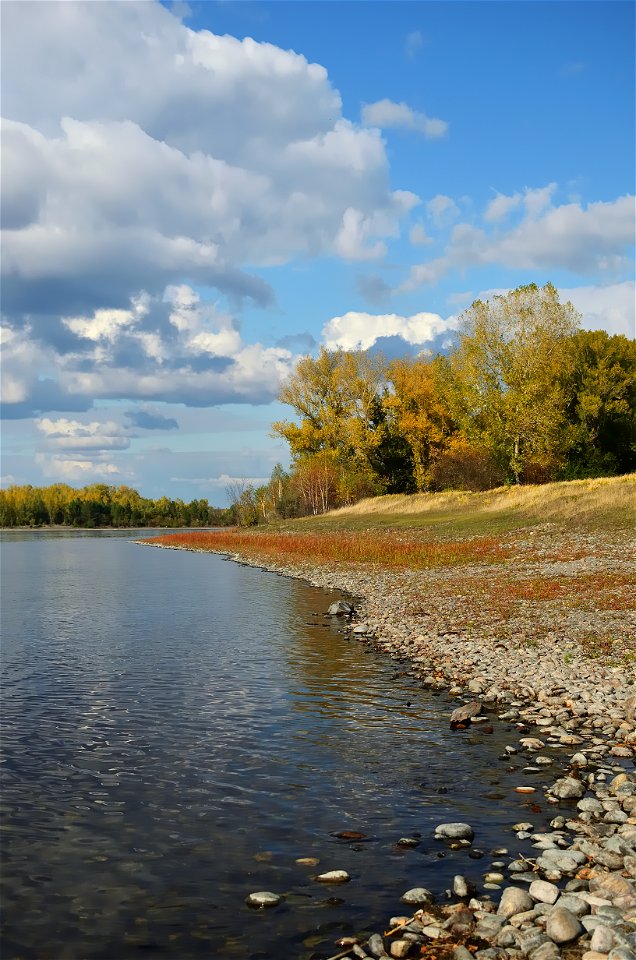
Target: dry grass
{"points": [[388, 550], [603, 503]]}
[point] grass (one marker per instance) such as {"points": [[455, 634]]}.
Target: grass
{"points": [[387, 550], [606, 503]]}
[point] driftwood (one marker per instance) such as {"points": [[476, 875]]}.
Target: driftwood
{"points": [[462, 716]]}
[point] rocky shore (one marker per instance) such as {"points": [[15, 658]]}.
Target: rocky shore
{"points": [[531, 670]]}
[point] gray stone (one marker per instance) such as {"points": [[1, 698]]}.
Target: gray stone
{"points": [[461, 887], [562, 926], [602, 939], [574, 904], [333, 876], [375, 946], [454, 831], [568, 789], [263, 898], [621, 953], [461, 953], [341, 608], [513, 900], [417, 895], [543, 891], [547, 951]]}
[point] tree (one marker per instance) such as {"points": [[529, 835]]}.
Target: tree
{"points": [[506, 379], [602, 410], [418, 414], [335, 398]]}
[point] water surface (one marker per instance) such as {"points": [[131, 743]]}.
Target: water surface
{"points": [[179, 729]]}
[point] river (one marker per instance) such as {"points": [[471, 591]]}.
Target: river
{"points": [[179, 729]]}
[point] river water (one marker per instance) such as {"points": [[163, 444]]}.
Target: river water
{"points": [[179, 729]]}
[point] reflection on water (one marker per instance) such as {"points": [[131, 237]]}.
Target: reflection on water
{"points": [[179, 729]]}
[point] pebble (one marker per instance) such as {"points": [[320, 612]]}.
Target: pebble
{"points": [[333, 876], [263, 898], [417, 896], [454, 831]]}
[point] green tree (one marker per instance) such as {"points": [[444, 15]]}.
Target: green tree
{"points": [[335, 399], [506, 379], [602, 410]]}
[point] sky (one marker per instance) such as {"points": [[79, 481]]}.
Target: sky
{"points": [[196, 195]]}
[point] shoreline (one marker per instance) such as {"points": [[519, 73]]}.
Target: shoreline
{"points": [[584, 876]]}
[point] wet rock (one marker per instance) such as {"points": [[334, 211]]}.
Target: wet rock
{"points": [[417, 896], [454, 831], [562, 926], [375, 946], [568, 789], [341, 608], [333, 876], [462, 716], [462, 887], [263, 899]]}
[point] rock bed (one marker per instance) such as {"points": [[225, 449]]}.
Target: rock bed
{"points": [[577, 897]]}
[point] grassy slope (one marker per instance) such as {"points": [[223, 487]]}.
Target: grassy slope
{"points": [[605, 504]]}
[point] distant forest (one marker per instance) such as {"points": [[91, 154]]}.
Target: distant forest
{"points": [[101, 505]]}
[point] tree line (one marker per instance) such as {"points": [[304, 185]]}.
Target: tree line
{"points": [[101, 505], [523, 396]]}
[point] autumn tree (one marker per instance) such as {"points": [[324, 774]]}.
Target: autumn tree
{"points": [[335, 399], [418, 413], [506, 382]]}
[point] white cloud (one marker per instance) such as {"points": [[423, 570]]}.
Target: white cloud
{"points": [[500, 206], [593, 239], [359, 331], [74, 470], [611, 307], [198, 155], [387, 114], [442, 209], [418, 235], [74, 435]]}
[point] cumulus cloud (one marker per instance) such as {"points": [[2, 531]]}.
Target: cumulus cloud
{"points": [[62, 468], [360, 331], [74, 435], [611, 307], [387, 114], [198, 156], [176, 347], [592, 239]]}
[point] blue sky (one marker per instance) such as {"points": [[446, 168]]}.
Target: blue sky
{"points": [[195, 195]]}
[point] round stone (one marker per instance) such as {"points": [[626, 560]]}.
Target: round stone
{"points": [[454, 831], [544, 892], [562, 926], [333, 876], [417, 895], [513, 901], [264, 898]]}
